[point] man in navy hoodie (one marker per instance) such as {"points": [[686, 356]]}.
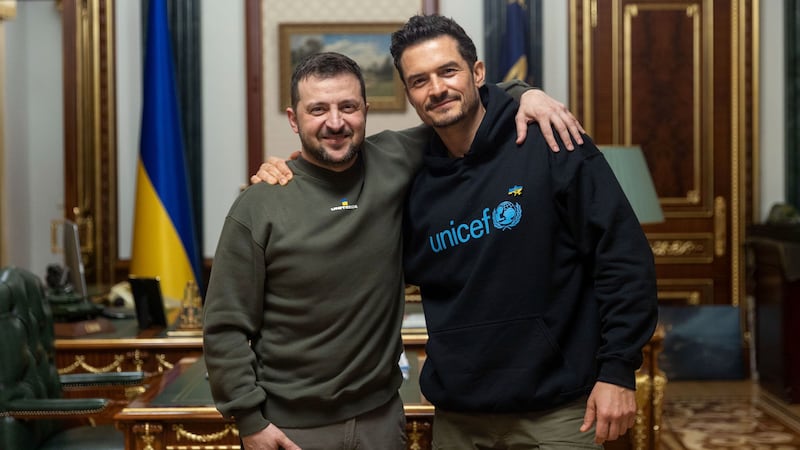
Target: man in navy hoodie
{"points": [[537, 281]]}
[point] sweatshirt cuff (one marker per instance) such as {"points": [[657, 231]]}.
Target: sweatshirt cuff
{"points": [[619, 373], [250, 421]]}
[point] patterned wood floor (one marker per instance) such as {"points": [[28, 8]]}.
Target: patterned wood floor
{"points": [[727, 415]]}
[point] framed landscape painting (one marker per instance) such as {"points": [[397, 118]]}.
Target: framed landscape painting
{"points": [[365, 43]]}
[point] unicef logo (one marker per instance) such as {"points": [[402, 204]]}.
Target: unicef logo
{"points": [[506, 215]]}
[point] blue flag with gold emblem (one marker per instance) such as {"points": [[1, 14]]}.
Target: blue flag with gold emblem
{"points": [[515, 44]]}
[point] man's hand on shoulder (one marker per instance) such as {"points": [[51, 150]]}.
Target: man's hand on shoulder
{"points": [[274, 171], [537, 106], [270, 438]]}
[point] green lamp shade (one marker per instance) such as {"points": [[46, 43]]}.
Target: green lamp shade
{"points": [[631, 170]]}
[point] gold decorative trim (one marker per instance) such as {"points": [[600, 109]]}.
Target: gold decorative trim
{"points": [[739, 142], [693, 197], [690, 292], [640, 431], [720, 226], [80, 361], [204, 447], [145, 436], [134, 391], [138, 361], [3, 198], [755, 47], [94, 142], [674, 248], [659, 387], [692, 298], [204, 438], [417, 436], [616, 125], [8, 9], [163, 363]]}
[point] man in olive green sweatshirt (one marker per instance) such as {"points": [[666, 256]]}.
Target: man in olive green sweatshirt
{"points": [[305, 303]]}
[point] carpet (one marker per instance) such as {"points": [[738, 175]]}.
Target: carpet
{"points": [[738, 422]]}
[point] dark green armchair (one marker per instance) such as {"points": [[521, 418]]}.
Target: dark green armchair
{"points": [[33, 414]]}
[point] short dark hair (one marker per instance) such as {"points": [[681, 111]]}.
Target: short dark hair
{"points": [[325, 65], [421, 28]]}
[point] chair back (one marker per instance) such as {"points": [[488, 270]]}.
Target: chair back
{"points": [[27, 356]]}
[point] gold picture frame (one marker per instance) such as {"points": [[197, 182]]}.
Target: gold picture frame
{"points": [[8, 9], [366, 43]]}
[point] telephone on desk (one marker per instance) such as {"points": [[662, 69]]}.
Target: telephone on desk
{"points": [[120, 302], [66, 304], [69, 306]]}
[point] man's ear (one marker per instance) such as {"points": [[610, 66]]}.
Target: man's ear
{"points": [[479, 72], [292, 119]]}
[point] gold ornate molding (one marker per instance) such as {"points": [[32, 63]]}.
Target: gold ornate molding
{"points": [[80, 361], [163, 363], [720, 226], [8, 9], [418, 432], [90, 131], [181, 432], [675, 248], [640, 437], [691, 292], [147, 434], [138, 358]]}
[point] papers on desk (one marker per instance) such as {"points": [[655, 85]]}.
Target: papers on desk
{"points": [[404, 365], [414, 320]]}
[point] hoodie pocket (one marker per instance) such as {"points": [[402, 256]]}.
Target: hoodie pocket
{"points": [[506, 366]]}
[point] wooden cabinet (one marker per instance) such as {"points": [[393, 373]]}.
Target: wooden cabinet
{"points": [[775, 272], [678, 78]]}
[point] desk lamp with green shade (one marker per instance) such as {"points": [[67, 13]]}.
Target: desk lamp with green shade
{"points": [[630, 168]]}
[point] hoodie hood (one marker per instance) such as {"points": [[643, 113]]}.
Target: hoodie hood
{"points": [[488, 138]]}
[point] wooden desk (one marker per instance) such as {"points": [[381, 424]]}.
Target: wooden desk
{"points": [[178, 413], [125, 349]]}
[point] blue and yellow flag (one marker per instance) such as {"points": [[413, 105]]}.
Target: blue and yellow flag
{"points": [[164, 239], [515, 45]]}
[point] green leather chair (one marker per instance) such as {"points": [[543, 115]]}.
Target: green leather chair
{"points": [[33, 414]]}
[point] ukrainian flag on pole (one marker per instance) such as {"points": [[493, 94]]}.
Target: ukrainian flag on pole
{"points": [[516, 42], [164, 240]]}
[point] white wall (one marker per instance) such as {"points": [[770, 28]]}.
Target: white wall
{"points": [[773, 122], [468, 14], [34, 136], [128, 19], [224, 114], [279, 139], [34, 111]]}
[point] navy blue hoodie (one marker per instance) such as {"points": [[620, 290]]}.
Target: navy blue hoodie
{"points": [[536, 278]]}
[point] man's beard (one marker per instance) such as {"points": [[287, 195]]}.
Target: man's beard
{"points": [[318, 152], [465, 108]]}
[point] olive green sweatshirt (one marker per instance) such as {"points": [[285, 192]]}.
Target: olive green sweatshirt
{"points": [[304, 306]]}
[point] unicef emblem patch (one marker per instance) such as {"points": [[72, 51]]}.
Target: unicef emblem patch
{"points": [[506, 215]]}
